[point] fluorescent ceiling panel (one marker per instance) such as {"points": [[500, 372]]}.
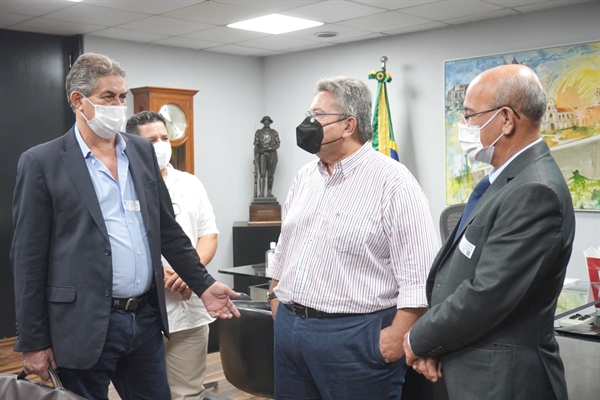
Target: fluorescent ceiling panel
{"points": [[275, 24]]}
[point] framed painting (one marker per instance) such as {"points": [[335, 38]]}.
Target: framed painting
{"points": [[571, 127]]}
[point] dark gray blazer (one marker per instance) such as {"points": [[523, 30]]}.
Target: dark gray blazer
{"points": [[491, 315], [61, 255]]}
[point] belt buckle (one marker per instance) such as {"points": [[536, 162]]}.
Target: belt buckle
{"points": [[131, 305], [303, 310]]}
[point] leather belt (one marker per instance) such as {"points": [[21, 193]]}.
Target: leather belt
{"points": [[131, 303], [307, 312]]}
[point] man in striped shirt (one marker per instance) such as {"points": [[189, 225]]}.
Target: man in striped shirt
{"points": [[349, 272]]}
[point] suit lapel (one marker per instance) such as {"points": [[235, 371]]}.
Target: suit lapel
{"points": [[78, 171], [529, 156], [135, 166]]}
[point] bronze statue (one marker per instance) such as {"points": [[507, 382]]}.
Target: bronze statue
{"points": [[266, 143]]}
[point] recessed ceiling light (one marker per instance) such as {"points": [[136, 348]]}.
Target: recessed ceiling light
{"points": [[75, 1], [275, 24], [326, 34]]}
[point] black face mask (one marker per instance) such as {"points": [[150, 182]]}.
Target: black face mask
{"points": [[309, 135]]}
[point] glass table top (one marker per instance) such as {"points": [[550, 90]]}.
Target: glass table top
{"points": [[255, 270]]}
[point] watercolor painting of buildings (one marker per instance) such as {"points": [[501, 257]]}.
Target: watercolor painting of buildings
{"points": [[571, 127]]}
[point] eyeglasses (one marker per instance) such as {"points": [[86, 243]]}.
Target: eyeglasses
{"points": [[314, 116], [467, 117]]}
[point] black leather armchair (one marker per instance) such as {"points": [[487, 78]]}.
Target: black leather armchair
{"points": [[246, 346]]}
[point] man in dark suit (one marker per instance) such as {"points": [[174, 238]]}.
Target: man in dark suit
{"points": [[92, 216], [493, 287]]}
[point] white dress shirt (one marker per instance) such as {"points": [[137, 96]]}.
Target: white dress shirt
{"points": [[194, 213], [358, 241]]}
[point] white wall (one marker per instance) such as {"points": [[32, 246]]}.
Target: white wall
{"points": [[227, 111], [235, 92], [416, 94]]}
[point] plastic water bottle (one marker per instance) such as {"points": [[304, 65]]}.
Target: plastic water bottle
{"points": [[269, 259]]}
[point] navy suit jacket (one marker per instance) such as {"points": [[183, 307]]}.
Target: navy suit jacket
{"points": [[61, 254], [492, 311]]}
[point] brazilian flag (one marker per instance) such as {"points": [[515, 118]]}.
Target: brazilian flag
{"points": [[383, 134]]}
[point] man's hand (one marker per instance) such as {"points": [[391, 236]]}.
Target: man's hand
{"points": [[217, 301], [274, 304], [186, 294], [410, 356], [430, 368], [390, 344], [37, 362], [173, 282]]}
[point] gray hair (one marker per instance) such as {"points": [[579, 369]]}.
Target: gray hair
{"points": [[143, 118], [523, 94], [86, 70], [353, 99]]}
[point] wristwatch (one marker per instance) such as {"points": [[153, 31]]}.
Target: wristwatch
{"points": [[271, 296]]}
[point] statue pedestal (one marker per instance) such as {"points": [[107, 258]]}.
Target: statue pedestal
{"points": [[264, 211]]}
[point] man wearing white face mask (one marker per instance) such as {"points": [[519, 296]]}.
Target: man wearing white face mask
{"points": [[493, 287], [188, 318], [92, 217]]}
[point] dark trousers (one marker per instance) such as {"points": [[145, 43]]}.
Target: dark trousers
{"points": [[133, 358], [334, 358]]}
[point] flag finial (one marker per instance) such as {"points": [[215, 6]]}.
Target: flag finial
{"points": [[383, 61]]}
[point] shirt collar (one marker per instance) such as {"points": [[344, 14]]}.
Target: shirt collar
{"points": [[494, 173], [85, 150], [349, 163]]}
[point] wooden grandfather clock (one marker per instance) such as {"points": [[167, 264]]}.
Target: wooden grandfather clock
{"points": [[177, 106]]}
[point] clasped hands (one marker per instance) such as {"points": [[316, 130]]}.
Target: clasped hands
{"points": [[175, 284], [430, 368]]}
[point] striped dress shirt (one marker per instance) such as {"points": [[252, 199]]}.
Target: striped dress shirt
{"points": [[358, 241]]}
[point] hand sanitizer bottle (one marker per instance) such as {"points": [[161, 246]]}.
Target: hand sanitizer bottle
{"points": [[268, 259]]}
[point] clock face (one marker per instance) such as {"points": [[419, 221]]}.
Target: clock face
{"points": [[176, 121]]}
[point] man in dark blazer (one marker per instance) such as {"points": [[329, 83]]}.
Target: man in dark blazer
{"points": [[494, 285], [92, 216]]}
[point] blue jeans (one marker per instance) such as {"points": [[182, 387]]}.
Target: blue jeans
{"points": [[133, 358], [334, 358]]}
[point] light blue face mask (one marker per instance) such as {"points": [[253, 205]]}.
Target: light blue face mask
{"points": [[108, 120], [469, 137]]}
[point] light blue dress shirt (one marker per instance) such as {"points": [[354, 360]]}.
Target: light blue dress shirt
{"points": [[130, 251]]}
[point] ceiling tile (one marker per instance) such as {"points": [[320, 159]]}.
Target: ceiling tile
{"points": [[166, 26], [132, 36], [332, 11], [185, 42], [384, 22], [394, 4], [480, 17], [417, 28], [357, 39], [7, 20], [85, 13], [344, 32], [34, 8], [224, 34], [550, 4], [240, 50], [450, 9], [144, 6], [313, 46], [215, 13], [270, 6], [50, 26], [276, 42], [515, 3]]}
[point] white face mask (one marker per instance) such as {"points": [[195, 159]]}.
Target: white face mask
{"points": [[108, 120], [469, 137], [163, 153]]}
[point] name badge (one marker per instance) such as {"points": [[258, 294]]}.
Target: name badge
{"points": [[131, 205], [466, 247]]}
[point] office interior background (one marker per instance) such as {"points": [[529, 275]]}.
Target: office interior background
{"points": [[236, 91]]}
